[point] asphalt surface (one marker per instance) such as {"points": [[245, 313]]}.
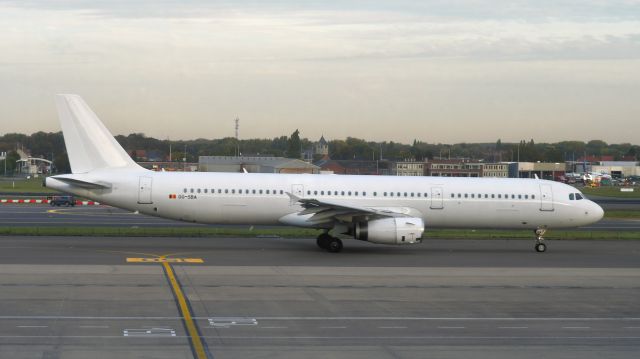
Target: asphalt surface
{"points": [[105, 216], [284, 298]]}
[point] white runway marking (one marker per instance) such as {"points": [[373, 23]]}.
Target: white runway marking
{"points": [[576, 327], [32, 326], [333, 327], [451, 327], [513, 327], [392, 327]]}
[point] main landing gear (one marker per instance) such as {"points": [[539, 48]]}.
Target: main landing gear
{"points": [[329, 243], [540, 246]]}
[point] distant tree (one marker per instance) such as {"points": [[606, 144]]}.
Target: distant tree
{"points": [[294, 145], [12, 157]]}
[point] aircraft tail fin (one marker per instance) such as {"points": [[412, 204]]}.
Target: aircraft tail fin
{"points": [[89, 143]]}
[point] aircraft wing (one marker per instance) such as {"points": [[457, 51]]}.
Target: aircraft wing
{"points": [[321, 211]]}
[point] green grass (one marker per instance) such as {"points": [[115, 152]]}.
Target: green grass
{"points": [[621, 214], [296, 233], [610, 192], [24, 185]]}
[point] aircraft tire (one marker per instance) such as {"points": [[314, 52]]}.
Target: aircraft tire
{"points": [[541, 247], [334, 245], [323, 241]]}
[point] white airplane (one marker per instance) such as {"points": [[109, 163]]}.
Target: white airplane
{"points": [[378, 209]]}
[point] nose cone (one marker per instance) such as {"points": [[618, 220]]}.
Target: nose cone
{"points": [[596, 212]]}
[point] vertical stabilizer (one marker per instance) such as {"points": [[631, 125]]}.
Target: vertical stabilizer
{"points": [[89, 144]]}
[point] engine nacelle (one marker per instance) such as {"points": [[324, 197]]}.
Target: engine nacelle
{"points": [[399, 230]]}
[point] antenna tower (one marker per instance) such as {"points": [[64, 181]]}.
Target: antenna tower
{"points": [[237, 136]]}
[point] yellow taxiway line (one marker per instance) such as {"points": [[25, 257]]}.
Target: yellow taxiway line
{"points": [[194, 336]]}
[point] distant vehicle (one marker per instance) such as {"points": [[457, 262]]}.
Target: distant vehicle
{"points": [[62, 201]]}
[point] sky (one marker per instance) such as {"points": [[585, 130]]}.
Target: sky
{"points": [[438, 71]]}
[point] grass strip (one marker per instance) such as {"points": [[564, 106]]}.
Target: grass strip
{"points": [[297, 233]]}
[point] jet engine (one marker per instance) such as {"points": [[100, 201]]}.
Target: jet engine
{"points": [[399, 230]]}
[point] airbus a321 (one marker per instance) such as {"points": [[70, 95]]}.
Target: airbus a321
{"points": [[392, 210]]}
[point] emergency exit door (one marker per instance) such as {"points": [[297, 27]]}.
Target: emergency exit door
{"points": [[436, 198], [144, 190]]}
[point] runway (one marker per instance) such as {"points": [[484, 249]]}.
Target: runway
{"points": [[285, 298], [105, 216]]}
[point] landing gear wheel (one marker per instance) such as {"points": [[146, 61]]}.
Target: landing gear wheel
{"points": [[323, 241], [540, 246], [334, 245]]}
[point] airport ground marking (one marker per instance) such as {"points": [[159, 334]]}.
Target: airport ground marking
{"points": [[165, 260], [195, 339]]}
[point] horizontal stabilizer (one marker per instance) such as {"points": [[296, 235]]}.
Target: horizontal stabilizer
{"points": [[81, 183]]}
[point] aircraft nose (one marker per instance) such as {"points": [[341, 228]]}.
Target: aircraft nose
{"points": [[596, 212]]}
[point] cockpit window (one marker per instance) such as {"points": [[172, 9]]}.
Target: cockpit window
{"points": [[571, 196], [578, 196]]}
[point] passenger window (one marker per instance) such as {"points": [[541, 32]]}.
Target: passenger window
{"points": [[473, 195], [418, 194], [233, 191], [493, 195], [260, 191], [213, 191], [356, 193], [500, 196], [453, 195], [253, 191], [349, 193], [226, 191], [281, 192], [513, 196], [185, 190], [322, 193], [206, 190], [364, 194], [533, 196], [486, 195], [375, 194], [578, 196], [192, 190], [342, 193], [459, 195], [425, 195], [519, 196], [384, 194], [391, 194], [240, 191], [466, 195], [526, 196], [219, 191]]}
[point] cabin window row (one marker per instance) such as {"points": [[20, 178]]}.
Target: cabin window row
{"points": [[232, 191], [493, 196], [364, 194]]}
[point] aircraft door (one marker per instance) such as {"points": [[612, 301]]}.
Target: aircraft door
{"points": [[546, 197], [144, 190], [298, 191], [436, 198]]}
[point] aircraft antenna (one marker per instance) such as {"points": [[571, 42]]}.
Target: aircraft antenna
{"points": [[237, 137]]}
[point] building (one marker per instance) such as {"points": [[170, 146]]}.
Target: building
{"points": [[33, 166], [617, 169], [453, 168], [355, 167], [544, 170], [498, 170], [256, 164], [410, 168], [170, 166], [321, 148]]}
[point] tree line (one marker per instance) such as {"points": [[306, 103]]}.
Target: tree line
{"points": [[51, 146]]}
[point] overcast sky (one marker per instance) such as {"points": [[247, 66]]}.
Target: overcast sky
{"points": [[437, 71]]}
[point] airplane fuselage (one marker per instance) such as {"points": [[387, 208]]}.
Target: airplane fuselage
{"points": [[265, 199]]}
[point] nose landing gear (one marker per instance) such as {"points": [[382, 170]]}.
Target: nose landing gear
{"points": [[329, 243], [540, 246]]}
